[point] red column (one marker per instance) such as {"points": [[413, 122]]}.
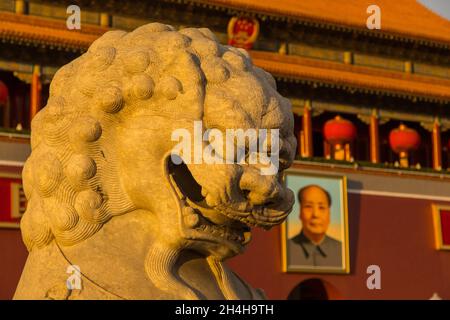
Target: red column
{"points": [[36, 87], [306, 139], [437, 147], [374, 138]]}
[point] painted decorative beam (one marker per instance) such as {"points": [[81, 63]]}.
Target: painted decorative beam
{"points": [[364, 113], [364, 79]]}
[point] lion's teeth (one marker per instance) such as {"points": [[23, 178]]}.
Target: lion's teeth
{"points": [[188, 211], [242, 206], [191, 220], [247, 237], [257, 211]]}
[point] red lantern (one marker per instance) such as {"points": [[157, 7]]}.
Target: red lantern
{"points": [[339, 131], [404, 139], [3, 93], [242, 32]]}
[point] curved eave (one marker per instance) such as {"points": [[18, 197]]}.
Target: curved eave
{"points": [[54, 33], [371, 80], [23, 29], [402, 20]]}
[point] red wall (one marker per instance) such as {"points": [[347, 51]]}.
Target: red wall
{"points": [[395, 233], [12, 259], [5, 199]]}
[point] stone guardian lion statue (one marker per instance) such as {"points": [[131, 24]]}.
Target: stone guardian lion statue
{"points": [[107, 205]]}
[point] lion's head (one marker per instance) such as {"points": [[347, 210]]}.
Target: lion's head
{"points": [[101, 147]]}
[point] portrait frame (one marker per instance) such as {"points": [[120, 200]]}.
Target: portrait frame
{"points": [[16, 191], [286, 229], [437, 221]]}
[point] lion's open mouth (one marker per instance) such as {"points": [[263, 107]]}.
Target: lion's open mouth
{"points": [[229, 222]]}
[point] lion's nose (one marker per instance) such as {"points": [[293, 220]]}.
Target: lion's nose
{"points": [[260, 189]]}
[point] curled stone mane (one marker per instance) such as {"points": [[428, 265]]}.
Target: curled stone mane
{"points": [[70, 180]]}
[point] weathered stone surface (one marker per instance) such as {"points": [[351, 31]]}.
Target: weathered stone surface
{"points": [[103, 193]]}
